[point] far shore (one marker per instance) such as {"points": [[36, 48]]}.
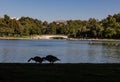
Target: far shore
{"points": [[14, 38], [46, 37], [93, 39]]}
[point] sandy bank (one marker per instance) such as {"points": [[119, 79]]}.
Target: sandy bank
{"points": [[36, 37]]}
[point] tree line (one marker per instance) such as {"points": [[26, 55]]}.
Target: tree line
{"points": [[109, 27]]}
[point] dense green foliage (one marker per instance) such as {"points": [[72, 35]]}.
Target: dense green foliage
{"points": [[92, 28]]}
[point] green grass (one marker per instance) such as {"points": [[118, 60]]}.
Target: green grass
{"points": [[24, 37], [59, 72], [109, 40]]}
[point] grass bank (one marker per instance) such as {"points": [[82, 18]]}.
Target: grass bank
{"points": [[16, 38], [28, 72]]}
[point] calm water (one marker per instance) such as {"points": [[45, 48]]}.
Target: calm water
{"points": [[19, 51]]}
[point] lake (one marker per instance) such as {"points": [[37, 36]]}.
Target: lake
{"points": [[69, 51]]}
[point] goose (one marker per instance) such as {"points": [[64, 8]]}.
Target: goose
{"points": [[36, 59], [51, 58]]}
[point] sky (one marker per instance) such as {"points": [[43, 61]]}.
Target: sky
{"points": [[52, 10]]}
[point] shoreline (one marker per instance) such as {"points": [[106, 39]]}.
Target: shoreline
{"points": [[44, 38], [49, 37], [17, 38]]}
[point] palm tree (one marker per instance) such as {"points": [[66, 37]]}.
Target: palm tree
{"points": [[36, 59], [51, 58]]}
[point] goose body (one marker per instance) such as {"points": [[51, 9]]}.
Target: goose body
{"points": [[36, 59], [51, 58]]}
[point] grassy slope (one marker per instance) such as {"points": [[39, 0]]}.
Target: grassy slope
{"points": [[59, 73]]}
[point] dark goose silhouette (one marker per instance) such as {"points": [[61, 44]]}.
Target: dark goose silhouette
{"points": [[36, 59], [51, 59]]}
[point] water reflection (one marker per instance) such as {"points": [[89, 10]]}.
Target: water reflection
{"points": [[5, 55], [110, 51], [9, 54], [113, 52]]}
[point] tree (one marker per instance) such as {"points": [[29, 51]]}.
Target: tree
{"points": [[31, 26], [95, 28], [110, 27], [6, 18], [52, 28], [110, 32], [92, 28]]}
